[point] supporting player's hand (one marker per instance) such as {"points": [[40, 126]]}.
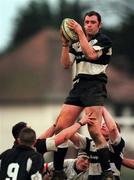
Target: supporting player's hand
{"points": [[87, 119], [91, 120]]}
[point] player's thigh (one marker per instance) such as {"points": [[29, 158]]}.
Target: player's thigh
{"points": [[95, 129], [68, 115], [96, 113]]}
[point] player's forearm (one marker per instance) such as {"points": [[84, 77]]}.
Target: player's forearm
{"points": [[86, 48], [48, 133], [129, 163], [110, 123], [66, 133], [65, 59]]}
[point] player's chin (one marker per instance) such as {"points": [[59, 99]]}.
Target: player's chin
{"points": [[90, 33], [84, 168]]}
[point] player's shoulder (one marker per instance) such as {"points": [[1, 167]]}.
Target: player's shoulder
{"points": [[8, 152], [35, 157], [35, 154], [103, 37]]}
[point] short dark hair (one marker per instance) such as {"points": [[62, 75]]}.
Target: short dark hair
{"points": [[17, 128], [27, 136], [93, 13]]}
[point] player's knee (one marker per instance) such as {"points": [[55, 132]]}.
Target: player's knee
{"points": [[96, 136]]}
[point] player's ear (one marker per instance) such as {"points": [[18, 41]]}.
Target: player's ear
{"points": [[100, 25], [34, 142], [18, 140]]}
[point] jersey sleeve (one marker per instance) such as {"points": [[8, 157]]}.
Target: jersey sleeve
{"points": [[118, 147], [37, 167], [103, 42], [81, 143], [103, 46], [72, 52], [41, 146]]}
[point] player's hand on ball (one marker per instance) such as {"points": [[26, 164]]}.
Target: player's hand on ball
{"points": [[69, 33], [75, 26]]}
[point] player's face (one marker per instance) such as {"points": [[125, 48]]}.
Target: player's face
{"points": [[91, 25], [82, 163], [105, 131]]}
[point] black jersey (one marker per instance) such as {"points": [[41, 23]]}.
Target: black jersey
{"points": [[21, 163]]}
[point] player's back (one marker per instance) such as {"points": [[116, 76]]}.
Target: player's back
{"points": [[20, 163]]}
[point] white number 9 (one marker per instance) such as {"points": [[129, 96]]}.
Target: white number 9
{"points": [[12, 171]]}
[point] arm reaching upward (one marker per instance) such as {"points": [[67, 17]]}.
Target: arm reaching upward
{"points": [[70, 131], [129, 163], [48, 133], [111, 125], [65, 59], [86, 47]]}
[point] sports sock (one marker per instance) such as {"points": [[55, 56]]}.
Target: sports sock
{"points": [[59, 156], [104, 158]]}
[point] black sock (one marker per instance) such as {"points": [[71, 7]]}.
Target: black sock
{"points": [[59, 156], [104, 158]]}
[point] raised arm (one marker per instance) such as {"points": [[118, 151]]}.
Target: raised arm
{"points": [[129, 163], [70, 131], [65, 58], [88, 50], [48, 133], [111, 125]]}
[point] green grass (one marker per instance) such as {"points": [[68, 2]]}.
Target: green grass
{"points": [[127, 174]]}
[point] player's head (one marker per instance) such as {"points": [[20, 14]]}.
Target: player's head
{"points": [[92, 23], [82, 162], [17, 128], [105, 130], [27, 136]]}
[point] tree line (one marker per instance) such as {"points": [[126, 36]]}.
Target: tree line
{"points": [[39, 15]]}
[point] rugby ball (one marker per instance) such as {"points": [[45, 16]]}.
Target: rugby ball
{"points": [[68, 33]]}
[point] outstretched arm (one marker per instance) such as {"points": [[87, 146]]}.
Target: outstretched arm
{"points": [[48, 133], [129, 163], [111, 124], [70, 131], [65, 58]]}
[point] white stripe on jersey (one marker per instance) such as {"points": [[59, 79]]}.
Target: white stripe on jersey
{"points": [[90, 68], [29, 164]]}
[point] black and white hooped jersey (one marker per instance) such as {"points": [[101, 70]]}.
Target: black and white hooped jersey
{"points": [[86, 67], [21, 163], [116, 155]]}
